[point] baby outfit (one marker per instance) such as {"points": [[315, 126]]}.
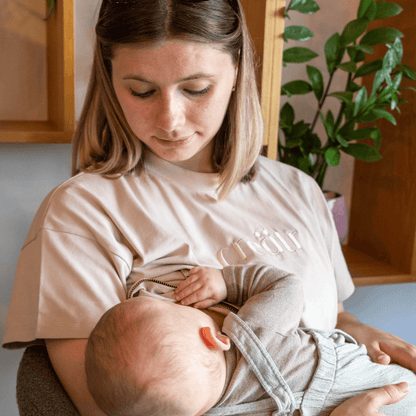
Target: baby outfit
{"points": [[276, 368]]}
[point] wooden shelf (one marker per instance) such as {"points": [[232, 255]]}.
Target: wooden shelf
{"points": [[59, 126], [382, 235], [367, 271]]}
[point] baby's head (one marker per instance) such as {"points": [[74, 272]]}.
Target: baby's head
{"points": [[148, 356]]}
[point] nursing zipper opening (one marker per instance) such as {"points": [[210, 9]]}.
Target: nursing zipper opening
{"points": [[136, 284]]}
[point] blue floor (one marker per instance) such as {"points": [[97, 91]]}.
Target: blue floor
{"points": [[391, 308]]}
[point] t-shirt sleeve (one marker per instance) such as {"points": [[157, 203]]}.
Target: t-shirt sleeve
{"points": [[66, 277], [345, 285]]}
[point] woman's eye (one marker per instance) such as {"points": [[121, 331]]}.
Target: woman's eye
{"points": [[198, 92], [141, 94]]}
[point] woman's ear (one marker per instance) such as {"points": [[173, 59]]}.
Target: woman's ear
{"points": [[216, 341]]}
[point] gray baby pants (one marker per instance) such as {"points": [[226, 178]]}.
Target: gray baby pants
{"points": [[345, 370]]}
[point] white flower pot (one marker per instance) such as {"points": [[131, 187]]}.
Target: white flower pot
{"points": [[336, 204]]}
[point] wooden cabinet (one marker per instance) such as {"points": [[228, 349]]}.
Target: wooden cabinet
{"points": [[59, 125], [382, 240]]}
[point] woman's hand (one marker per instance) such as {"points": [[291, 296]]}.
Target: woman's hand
{"points": [[383, 348], [205, 287], [369, 403]]}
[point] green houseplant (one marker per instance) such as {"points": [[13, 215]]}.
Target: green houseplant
{"points": [[351, 52]]}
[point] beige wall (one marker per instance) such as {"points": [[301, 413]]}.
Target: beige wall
{"points": [[22, 60]]}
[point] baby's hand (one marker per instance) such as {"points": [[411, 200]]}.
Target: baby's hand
{"points": [[205, 287]]}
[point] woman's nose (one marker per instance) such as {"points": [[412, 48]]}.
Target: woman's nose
{"points": [[170, 114]]}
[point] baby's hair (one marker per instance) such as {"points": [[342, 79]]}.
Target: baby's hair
{"points": [[128, 375]]}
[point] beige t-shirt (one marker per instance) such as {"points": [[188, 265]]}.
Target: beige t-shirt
{"points": [[92, 238]]}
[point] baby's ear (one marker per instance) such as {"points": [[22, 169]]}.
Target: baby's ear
{"points": [[216, 341]]}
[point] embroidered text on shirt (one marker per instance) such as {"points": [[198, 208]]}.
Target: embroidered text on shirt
{"points": [[267, 243]]}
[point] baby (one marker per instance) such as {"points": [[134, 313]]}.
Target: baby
{"points": [[147, 356]]}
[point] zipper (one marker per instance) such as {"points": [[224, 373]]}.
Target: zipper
{"points": [[136, 284], [130, 292]]}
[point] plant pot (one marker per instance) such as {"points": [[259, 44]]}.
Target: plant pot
{"points": [[336, 204]]}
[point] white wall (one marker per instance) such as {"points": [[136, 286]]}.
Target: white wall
{"points": [[27, 174], [29, 171]]}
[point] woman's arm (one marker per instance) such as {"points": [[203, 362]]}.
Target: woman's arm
{"points": [[369, 403], [68, 358], [382, 347]]}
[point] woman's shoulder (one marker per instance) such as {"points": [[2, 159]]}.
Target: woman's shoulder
{"points": [[81, 187], [286, 176], [82, 199]]}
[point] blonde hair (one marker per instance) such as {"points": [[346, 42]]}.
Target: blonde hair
{"points": [[104, 142]]}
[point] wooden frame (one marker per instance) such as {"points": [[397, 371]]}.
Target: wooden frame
{"points": [[272, 72], [60, 124]]}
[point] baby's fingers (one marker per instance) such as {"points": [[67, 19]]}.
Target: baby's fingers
{"points": [[187, 287], [194, 297]]}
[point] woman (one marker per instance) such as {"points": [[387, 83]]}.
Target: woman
{"points": [[167, 174]]}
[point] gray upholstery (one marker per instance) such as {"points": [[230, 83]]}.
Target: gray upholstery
{"points": [[39, 391]]}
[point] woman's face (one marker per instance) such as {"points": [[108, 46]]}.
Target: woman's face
{"points": [[174, 96]]}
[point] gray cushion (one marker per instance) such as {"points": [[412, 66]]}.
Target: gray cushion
{"points": [[39, 391]]}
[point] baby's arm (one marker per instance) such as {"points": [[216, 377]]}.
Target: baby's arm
{"points": [[204, 287], [269, 297]]}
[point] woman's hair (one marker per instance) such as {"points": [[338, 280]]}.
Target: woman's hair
{"points": [[104, 143], [132, 357]]}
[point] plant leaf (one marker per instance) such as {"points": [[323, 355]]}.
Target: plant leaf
{"points": [[369, 68], [361, 134], [397, 80], [300, 129], [298, 55], [379, 78], [408, 72], [298, 33], [347, 96], [364, 48], [375, 114], [341, 141], [393, 56], [304, 6], [296, 88], [353, 30], [317, 81], [348, 67], [376, 136], [363, 8], [333, 156], [381, 35], [362, 152], [371, 11], [51, 6], [360, 100], [353, 87], [287, 115], [387, 9], [328, 123], [397, 49], [356, 54], [332, 50]]}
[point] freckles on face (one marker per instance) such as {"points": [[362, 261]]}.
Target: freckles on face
{"points": [[174, 96]]}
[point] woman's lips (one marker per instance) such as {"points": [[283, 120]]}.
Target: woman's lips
{"points": [[173, 143]]}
